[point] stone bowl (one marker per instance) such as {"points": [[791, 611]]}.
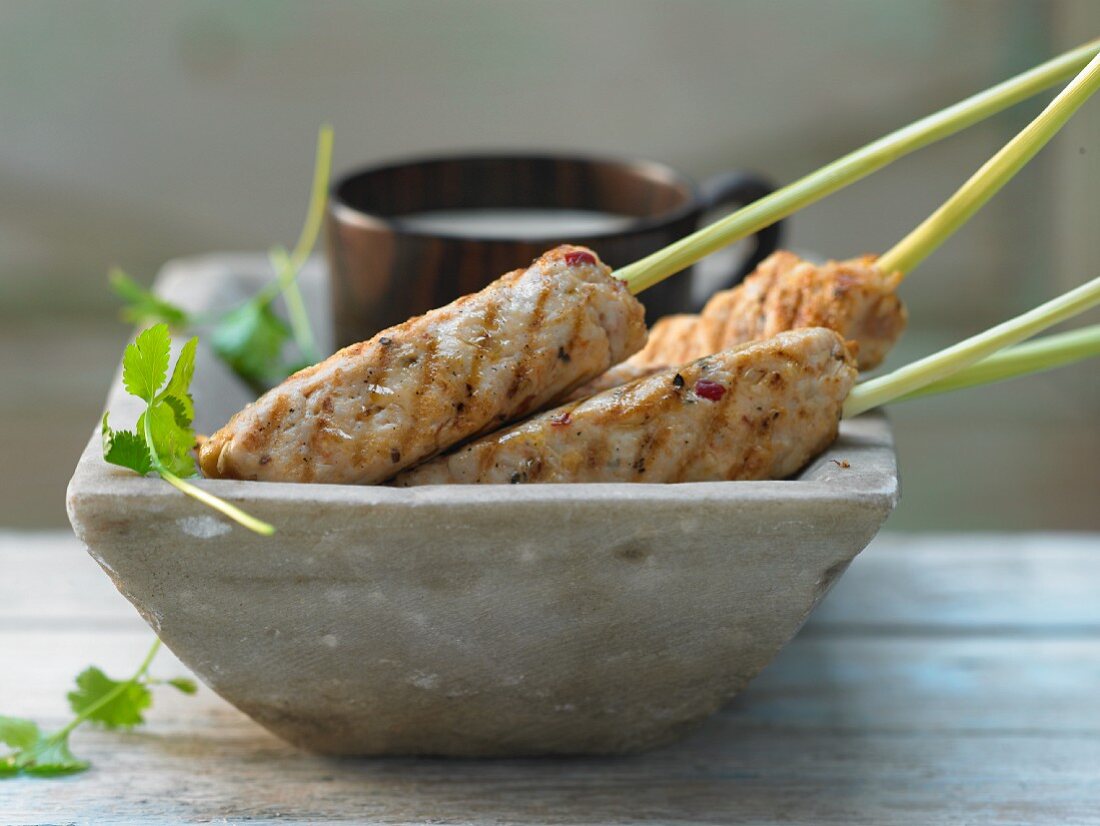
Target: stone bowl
{"points": [[466, 620]]}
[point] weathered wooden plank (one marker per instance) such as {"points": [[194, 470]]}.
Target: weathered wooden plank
{"points": [[49, 580], [979, 583], [924, 684], [726, 774]]}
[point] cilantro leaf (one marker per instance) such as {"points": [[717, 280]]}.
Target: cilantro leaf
{"points": [[51, 756], [179, 410], [177, 392], [142, 305], [122, 710], [145, 362], [171, 442], [184, 685], [126, 449], [18, 732], [163, 440], [35, 753], [250, 340], [21, 735]]}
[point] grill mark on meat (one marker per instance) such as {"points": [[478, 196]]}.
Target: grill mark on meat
{"points": [[278, 413], [384, 357], [658, 434], [752, 431], [425, 381], [574, 334], [595, 453], [488, 333], [852, 298], [638, 463], [425, 389], [788, 314], [484, 462], [758, 324], [377, 375], [534, 321]]}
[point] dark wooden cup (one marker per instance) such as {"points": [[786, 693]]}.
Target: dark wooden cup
{"points": [[386, 269]]}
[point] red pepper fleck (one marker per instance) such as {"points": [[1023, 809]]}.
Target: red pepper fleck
{"points": [[711, 390], [577, 257], [561, 421]]}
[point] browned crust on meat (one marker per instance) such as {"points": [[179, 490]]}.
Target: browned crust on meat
{"points": [[756, 411], [852, 297], [527, 339]]}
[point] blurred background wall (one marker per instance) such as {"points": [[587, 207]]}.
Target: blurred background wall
{"points": [[132, 132]]}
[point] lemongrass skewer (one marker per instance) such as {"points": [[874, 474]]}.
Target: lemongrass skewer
{"points": [[993, 175], [918, 375], [856, 165], [1029, 358]]}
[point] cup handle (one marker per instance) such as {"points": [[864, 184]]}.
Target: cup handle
{"points": [[742, 188]]}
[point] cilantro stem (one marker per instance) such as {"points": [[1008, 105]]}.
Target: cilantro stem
{"points": [[61, 734], [295, 306], [322, 171], [218, 504], [208, 499], [290, 266]]}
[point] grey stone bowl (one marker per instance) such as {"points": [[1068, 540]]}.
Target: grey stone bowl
{"points": [[502, 620]]}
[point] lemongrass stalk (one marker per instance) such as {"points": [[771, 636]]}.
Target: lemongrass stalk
{"points": [[906, 380], [856, 165], [993, 175], [1029, 358]]}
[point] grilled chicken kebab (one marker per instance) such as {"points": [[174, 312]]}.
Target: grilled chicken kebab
{"points": [[784, 292], [756, 411], [523, 342], [374, 408]]}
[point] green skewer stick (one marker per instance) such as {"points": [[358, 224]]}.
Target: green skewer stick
{"points": [[993, 175], [920, 374], [672, 259], [1029, 358]]}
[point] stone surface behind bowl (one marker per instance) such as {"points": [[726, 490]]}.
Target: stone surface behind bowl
{"points": [[473, 620]]}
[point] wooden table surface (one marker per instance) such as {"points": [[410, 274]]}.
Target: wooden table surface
{"points": [[946, 679]]}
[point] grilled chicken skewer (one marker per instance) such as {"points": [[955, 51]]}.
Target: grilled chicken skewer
{"points": [[784, 292], [526, 340], [413, 390], [757, 411], [855, 298], [760, 411]]}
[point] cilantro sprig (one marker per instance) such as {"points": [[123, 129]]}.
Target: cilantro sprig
{"points": [[163, 438], [114, 704], [251, 338]]}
